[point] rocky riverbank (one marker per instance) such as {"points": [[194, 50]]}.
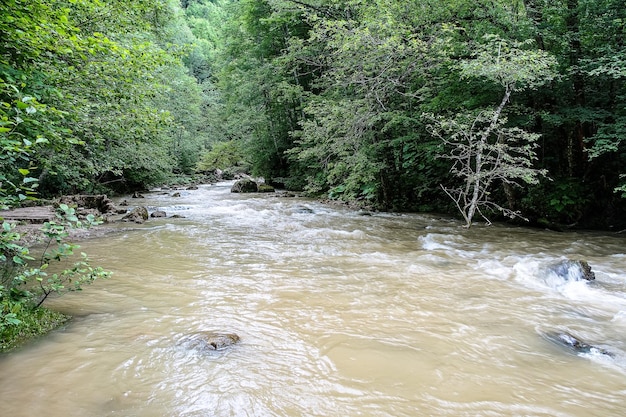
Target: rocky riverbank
{"points": [[29, 220]]}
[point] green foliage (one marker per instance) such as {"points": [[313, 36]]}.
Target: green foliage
{"points": [[330, 93], [515, 66], [58, 249], [17, 142], [559, 202], [223, 155], [482, 147], [31, 324], [323, 94], [26, 280], [109, 89]]}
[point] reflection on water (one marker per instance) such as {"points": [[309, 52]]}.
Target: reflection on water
{"points": [[338, 313]]}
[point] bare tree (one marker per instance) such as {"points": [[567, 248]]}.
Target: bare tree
{"points": [[483, 149]]}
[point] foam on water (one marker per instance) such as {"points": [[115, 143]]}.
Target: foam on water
{"points": [[338, 314], [540, 275]]}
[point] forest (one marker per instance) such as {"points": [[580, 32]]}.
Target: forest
{"points": [[488, 109]]}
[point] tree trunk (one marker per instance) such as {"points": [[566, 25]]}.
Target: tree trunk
{"points": [[576, 140], [484, 137]]}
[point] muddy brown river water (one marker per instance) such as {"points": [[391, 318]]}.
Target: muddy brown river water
{"points": [[339, 314]]}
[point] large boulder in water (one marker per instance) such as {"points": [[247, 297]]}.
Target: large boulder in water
{"points": [[574, 270], [245, 185], [138, 215], [209, 341]]}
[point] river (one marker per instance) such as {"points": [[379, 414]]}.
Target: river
{"points": [[339, 314]]}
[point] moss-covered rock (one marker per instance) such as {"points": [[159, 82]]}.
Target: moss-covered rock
{"points": [[265, 188]]}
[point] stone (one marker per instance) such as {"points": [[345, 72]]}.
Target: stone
{"points": [[303, 210], [98, 202], [265, 188], [158, 213], [209, 341], [573, 269], [575, 344], [245, 185], [138, 215]]}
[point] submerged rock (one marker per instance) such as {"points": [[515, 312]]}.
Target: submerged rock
{"points": [[575, 270], [303, 210], [158, 213], [575, 344], [209, 341]]}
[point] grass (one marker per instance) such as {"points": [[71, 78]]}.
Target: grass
{"points": [[33, 323]]}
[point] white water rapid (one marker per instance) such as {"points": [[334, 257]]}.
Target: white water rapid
{"points": [[339, 314]]}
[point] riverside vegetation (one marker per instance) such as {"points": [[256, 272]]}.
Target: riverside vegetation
{"points": [[26, 282], [488, 109]]}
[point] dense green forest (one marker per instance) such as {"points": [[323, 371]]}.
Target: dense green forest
{"points": [[483, 108]]}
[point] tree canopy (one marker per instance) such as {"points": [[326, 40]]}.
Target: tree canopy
{"points": [[338, 98]]}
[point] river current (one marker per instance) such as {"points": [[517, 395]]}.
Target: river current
{"points": [[339, 314]]}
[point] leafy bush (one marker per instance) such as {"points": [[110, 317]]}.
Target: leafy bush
{"points": [[26, 283], [562, 201]]}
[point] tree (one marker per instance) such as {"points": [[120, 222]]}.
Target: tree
{"points": [[483, 149], [330, 94], [360, 136], [81, 103]]}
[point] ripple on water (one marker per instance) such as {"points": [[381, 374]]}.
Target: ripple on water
{"points": [[338, 314]]}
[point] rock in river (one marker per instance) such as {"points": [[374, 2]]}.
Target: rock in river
{"points": [[245, 185], [209, 341], [573, 270], [574, 344], [138, 215]]}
